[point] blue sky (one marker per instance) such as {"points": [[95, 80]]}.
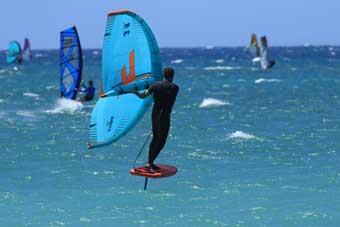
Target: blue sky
{"points": [[176, 23]]}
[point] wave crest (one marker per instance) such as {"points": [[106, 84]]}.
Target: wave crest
{"points": [[262, 80], [176, 61], [212, 102], [215, 68], [241, 135], [66, 105]]}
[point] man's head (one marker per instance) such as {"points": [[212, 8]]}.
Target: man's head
{"points": [[168, 74], [90, 82]]}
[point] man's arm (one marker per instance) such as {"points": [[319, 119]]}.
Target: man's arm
{"points": [[145, 93], [141, 95], [82, 87]]}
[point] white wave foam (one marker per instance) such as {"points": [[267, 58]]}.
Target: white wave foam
{"points": [[241, 135], [212, 68], [176, 61], [50, 87], [84, 219], [212, 102], [2, 70], [24, 113], [262, 80], [66, 105], [95, 52], [29, 94], [219, 61], [256, 59], [38, 55]]}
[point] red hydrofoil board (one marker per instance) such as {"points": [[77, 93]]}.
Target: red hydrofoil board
{"points": [[164, 171]]}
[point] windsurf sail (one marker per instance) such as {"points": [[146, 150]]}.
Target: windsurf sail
{"points": [[71, 62], [26, 53], [266, 63], [130, 61], [14, 51], [253, 48]]}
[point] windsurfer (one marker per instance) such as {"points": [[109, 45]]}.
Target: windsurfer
{"points": [[164, 93], [266, 63], [89, 92], [253, 44], [25, 53]]}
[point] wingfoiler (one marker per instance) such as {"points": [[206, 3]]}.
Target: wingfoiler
{"points": [[26, 53]]}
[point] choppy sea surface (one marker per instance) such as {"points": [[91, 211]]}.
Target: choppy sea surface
{"points": [[252, 147]]}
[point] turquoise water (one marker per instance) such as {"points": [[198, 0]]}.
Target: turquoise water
{"points": [[253, 147]]}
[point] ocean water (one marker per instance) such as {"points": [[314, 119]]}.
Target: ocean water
{"points": [[252, 147]]}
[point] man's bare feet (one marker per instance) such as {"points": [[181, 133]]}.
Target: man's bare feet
{"points": [[152, 166]]}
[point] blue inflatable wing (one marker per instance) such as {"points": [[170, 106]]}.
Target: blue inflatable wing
{"points": [[130, 61], [71, 62], [14, 51]]}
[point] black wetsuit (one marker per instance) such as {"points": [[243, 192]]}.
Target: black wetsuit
{"points": [[89, 93], [271, 64], [164, 93]]}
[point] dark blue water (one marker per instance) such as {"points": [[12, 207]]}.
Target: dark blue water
{"points": [[253, 147]]}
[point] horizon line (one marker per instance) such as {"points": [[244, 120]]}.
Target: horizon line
{"points": [[203, 47]]}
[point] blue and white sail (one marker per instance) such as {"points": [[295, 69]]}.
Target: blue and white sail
{"points": [[14, 51], [266, 62], [71, 63], [130, 61]]}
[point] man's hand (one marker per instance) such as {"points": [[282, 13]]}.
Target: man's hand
{"points": [[140, 95], [134, 91]]}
